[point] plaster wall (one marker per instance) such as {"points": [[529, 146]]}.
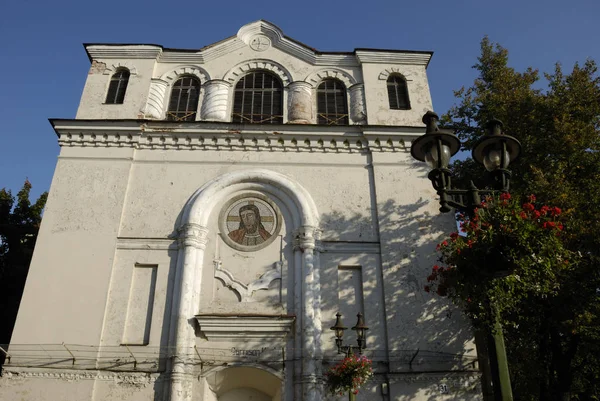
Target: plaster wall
{"points": [[92, 104], [377, 105], [410, 226], [26, 387], [65, 301]]}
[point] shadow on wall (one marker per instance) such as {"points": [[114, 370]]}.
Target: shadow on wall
{"points": [[412, 331], [423, 332]]}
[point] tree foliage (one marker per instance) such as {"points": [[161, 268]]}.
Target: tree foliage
{"points": [[553, 342], [19, 225]]}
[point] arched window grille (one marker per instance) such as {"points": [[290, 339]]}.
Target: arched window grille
{"points": [[258, 99], [183, 104], [398, 93], [117, 87], [332, 103]]}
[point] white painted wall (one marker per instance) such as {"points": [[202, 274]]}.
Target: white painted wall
{"points": [[105, 270]]}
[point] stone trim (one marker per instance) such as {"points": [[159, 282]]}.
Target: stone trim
{"points": [[392, 57], [385, 74], [234, 74], [316, 77], [109, 70], [146, 243], [137, 380], [227, 142], [224, 328], [196, 71]]}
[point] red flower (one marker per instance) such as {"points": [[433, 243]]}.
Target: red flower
{"points": [[555, 211], [504, 196], [523, 215], [454, 235], [536, 214], [529, 207], [544, 209], [531, 198]]}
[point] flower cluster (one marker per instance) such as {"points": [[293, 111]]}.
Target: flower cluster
{"points": [[508, 249], [349, 375]]}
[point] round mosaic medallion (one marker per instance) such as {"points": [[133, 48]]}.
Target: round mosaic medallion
{"points": [[249, 222]]}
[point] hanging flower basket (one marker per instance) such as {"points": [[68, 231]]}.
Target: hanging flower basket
{"points": [[349, 375]]}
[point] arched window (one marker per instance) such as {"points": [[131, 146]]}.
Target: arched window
{"points": [[117, 87], [332, 104], [398, 93], [183, 104], [258, 99]]}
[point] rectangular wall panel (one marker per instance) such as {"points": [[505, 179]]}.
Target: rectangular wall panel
{"points": [[140, 305], [350, 293]]}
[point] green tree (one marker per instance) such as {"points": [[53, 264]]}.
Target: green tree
{"points": [[554, 343], [19, 224]]}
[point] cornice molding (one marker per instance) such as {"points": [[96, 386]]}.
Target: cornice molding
{"points": [[147, 243], [137, 380], [146, 134], [243, 39], [383, 57], [351, 247], [123, 51], [219, 327]]}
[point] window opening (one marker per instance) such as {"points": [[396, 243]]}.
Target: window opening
{"points": [[183, 105], [332, 104], [117, 87], [258, 99], [398, 93]]}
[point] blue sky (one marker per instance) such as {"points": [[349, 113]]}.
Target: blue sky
{"points": [[43, 64]]}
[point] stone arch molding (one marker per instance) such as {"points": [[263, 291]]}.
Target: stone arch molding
{"points": [[317, 76], [109, 70], [157, 96], [196, 71], [193, 237], [385, 74], [234, 74]]}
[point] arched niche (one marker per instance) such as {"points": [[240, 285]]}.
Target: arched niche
{"points": [[242, 383], [194, 229]]}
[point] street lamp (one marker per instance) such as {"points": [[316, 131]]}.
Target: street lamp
{"points": [[495, 151], [361, 339], [361, 333]]}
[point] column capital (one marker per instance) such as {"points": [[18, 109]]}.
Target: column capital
{"points": [[306, 237], [193, 235]]}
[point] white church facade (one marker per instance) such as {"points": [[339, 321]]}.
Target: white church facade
{"points": [[210, 213]]}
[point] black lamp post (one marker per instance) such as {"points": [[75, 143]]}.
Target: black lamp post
{"points": [[361, 339], [494, 151]]}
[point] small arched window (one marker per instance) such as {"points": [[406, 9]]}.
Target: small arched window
{"points": [[117, 87], [258, 99], [183, 104], [398, 93], [332, 104]]}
